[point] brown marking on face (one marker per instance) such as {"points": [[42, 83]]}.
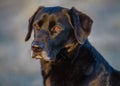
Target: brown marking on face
{"points": [[43, 22], [53, 17], [45, 19], [71, 46]]}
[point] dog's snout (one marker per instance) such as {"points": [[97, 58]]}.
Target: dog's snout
{"points": [[37, 46]]}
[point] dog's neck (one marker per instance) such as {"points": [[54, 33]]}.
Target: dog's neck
{"points": [[87, 50], [97, 56], [85, 54], [85, 59]]}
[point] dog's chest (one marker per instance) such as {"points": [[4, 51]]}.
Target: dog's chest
{"points": [[64, 74]]}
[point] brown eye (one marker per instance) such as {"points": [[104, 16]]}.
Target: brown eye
{"points": [[56, 29]]}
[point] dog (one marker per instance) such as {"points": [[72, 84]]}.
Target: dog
{"points": [[67, 58]]}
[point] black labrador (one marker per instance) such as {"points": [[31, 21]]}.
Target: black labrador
{"points": [[67, 58]]}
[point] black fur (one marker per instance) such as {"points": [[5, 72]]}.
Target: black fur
{"points": [[71, 60], [75, 70]]}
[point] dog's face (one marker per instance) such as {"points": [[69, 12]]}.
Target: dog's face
{"points": [[56, 28]]}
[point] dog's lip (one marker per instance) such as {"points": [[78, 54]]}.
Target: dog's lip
{"points": [[38, 55]]}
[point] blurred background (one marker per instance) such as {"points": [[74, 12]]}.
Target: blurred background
{"points": [[17, 68]]}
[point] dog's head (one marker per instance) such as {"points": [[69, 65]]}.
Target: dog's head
{"points": [[56, 28]]}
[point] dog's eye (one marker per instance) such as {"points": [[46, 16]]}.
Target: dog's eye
{"points": [[56, 29]]}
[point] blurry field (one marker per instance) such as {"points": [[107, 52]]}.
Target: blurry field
{"points": [[16, 66]]}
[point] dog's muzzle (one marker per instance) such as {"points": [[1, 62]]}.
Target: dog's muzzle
{"points": [[37, 48], [39, 52]]}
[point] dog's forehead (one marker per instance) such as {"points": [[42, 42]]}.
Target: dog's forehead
{"points": [[51, 12]]}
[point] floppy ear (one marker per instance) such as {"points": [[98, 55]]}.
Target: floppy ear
{"points": [[30, 26], [81, 24]]}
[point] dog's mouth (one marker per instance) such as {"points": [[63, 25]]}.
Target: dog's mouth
{"points": [[36, 55], [41, 55]]}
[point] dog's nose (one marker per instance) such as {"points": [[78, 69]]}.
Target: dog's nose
{"points": [[37, 46]]}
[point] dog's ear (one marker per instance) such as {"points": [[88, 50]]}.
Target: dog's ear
{"points": [[81, 24], [30, 26]]}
